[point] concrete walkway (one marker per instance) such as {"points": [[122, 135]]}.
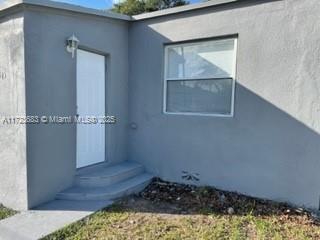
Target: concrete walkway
{"points": [[46, 219]]}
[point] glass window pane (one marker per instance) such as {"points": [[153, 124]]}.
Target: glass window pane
{"points": [[211, 59], [200, 96]]}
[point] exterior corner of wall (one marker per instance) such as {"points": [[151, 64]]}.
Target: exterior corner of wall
{"points": [[13, 167]]}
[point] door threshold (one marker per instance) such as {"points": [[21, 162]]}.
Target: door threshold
{"points": [[82, 170]]}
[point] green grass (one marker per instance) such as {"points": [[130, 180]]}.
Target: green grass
{"points": [[144, 219], [5, 212]]}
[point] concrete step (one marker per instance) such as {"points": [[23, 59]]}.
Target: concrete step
{"points": [[124, 188], [106, 176]]}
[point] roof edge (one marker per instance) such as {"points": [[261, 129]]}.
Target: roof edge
{"points": [[63, 6], [181, 9], [10, 4]]}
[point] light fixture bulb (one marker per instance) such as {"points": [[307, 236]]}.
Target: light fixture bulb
{"points": [[72, 44]]}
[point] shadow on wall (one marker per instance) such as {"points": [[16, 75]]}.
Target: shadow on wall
{"points": [[262, 151]]}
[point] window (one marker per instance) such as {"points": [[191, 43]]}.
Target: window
{"points": [[200, 78]]}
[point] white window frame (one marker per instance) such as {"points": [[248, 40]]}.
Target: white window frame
{"points": [[233, 77]]}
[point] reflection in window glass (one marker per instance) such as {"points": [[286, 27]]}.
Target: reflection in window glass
{"points": [[199, 77], [212, 59]]}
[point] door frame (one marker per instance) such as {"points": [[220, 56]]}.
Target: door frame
{"points": [[106, 99]]}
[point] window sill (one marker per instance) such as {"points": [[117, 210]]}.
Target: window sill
{"points": [[200, 114]]}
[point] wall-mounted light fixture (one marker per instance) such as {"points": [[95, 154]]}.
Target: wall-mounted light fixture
{"points": [[72, 44]]}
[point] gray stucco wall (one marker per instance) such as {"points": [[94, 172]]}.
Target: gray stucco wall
{"points": [[13, 175], [271, 147], [51, 90]]}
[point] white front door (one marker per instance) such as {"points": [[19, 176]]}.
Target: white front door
{"points": [[90, 102]]}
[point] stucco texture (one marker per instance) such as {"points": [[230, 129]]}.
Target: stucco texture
{"points": [[271, 147], [51, 91], [13, 174]]}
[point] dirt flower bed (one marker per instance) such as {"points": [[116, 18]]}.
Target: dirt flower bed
{"points": [[190, 199], [175, 211]]}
